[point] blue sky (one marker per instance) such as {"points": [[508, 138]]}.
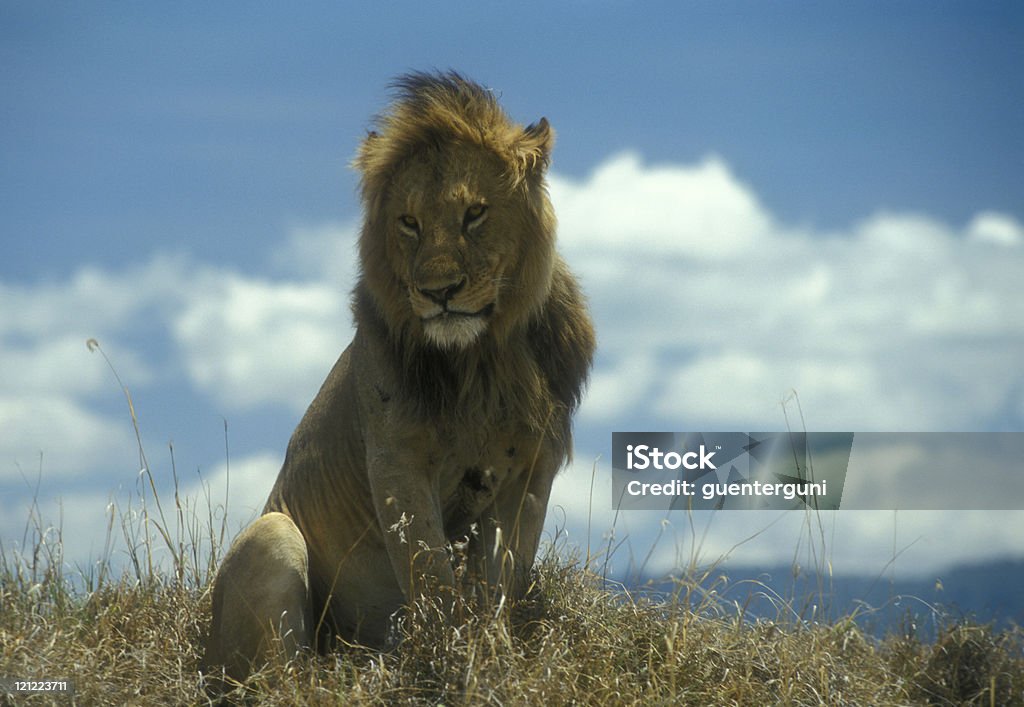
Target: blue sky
{"points": [[758, 197], [204, 128]]}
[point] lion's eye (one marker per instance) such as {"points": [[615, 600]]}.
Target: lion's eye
{"points": [[475, 215], [409, 225]]}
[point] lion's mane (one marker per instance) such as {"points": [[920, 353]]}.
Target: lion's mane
{"points": [[543, 337]]}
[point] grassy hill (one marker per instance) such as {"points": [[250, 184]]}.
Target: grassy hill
{"points": [[131, 634], [134, 639]]}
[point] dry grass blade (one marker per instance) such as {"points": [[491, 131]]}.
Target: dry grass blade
{"points": [[134, 639]]}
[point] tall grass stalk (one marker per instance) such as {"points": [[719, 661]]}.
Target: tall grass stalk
{"points": [[132, 635]]}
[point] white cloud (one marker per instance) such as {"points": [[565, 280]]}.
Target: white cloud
{"points": [[255, 341], [50, 376], [62, 366], [701, 211], [324, 252], [909, 543], [78, 523], [624, 386], [56, 434], [244, 485], [854, 542], [901, 322], [252, 342], [708, 310], [996, 228], [93, 302], [730, 387]]}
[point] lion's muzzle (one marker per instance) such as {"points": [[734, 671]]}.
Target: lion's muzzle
{"points": [[441, 294], [453, 328]]}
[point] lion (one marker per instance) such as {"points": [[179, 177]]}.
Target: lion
{"points": [[446, 419]]}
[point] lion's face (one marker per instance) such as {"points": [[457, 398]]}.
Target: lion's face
{"points": [[453, 239]]}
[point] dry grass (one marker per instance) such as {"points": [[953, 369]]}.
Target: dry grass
{"points": [[135, 639], [131, 635]]}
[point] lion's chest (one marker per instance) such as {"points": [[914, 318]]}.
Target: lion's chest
{"points": [[472, 477]]}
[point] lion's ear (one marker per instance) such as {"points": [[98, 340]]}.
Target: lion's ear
{"points": [[534, 145]]}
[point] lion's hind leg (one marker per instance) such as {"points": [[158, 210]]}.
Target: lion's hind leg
{"points": [[261, 599]]}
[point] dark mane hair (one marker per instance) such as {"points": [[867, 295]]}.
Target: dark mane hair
{"points": [[534, 362], [431, 109]]}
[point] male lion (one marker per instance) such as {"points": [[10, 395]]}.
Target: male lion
{"points": [[447, 417]]}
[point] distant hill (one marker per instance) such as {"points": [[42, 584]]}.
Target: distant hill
{"points": [[989, 592]]}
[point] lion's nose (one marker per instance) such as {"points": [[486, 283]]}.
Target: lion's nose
{"points": [[441, 294]]}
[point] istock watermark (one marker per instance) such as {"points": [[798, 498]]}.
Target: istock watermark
{"points": [[818, 470], [728, 470], [643, 457]]}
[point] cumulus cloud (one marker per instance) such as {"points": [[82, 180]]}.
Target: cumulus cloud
{"points": [[93, 301], [245, 341], [55, 434], [324, 252], [911, 543], [253, 342], [58, 366], [623, 385], [76, 523], [709, 311], [900, 322], [996, 228], [852, 542], [243, 486], [50, 378], [701, 211]]}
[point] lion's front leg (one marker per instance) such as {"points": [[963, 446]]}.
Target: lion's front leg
{"points": [[409, 512], [260, 597], [501, 553]]}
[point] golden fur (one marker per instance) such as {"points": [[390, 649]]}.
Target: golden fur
{"points": [[447, 417]]}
